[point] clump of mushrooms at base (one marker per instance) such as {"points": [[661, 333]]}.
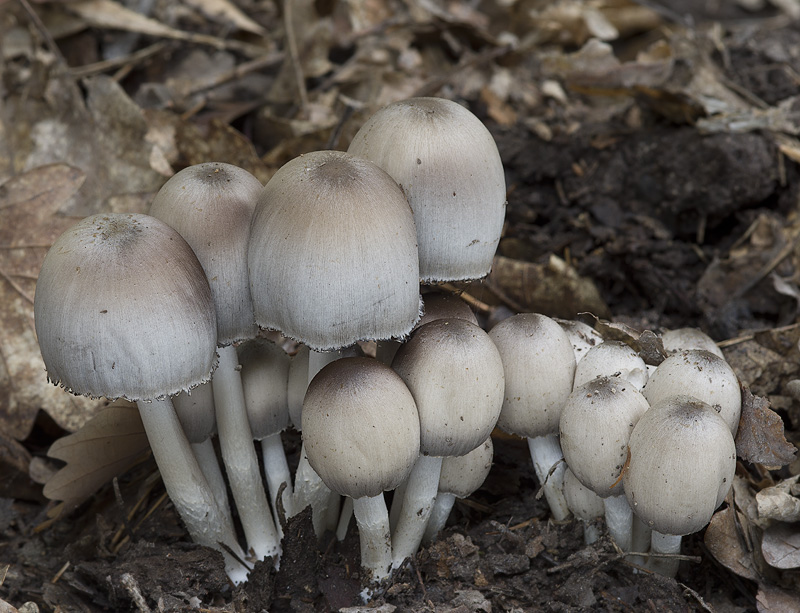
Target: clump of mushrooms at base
{"points": [[332, 252]]}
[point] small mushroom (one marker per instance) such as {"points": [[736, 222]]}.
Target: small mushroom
{"points": [[460, 477], [361, 434], [682, 461], [703, 375], [609, 359]]}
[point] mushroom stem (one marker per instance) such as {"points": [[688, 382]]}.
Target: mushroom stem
{"points": [[640, 540], [308, 487], [664, 543], [187, 486], [372, 518], [344, 518], [276, 469], [547, 456], [240, 459], [619, 520], [442, 507], [209, 463], [420, 493]]}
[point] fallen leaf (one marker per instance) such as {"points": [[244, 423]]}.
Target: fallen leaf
{"points": [[105, 447], [553, 288], [777, 502], [781, 545], [227, 13], [772, 599], [760, 438], [29, 223], [725, 542]]}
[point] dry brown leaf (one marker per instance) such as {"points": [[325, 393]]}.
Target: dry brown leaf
{"points": [[772, 599], [554, 288], [29, 223], [781, 545], [227, 13], [105, 447], [725, 542], [778, 502], [112, 15], [760, 438]]}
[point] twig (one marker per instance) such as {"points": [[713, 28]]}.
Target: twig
{"points": [[88, 70], [132, 587], [60, 572], [294, 56]]}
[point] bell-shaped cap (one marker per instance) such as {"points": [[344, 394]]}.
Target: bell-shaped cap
{"points": [[682, 461], [360, 427], [211, 205], [462, 475], [447, 163], [455, 373], [596, 423], [701, 374], [333, 253], [539, 366], [123, 310]]}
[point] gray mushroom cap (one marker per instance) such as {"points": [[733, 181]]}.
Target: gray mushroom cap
{"points": [[211, 205], [360, 427], [333, 253], [462, 475], [265, 374], [448, 165], [123, 310], [455, 374], [701, 374], [682, 461], [539, 366], [596, 423]]}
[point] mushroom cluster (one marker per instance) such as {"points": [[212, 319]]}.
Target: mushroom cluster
{"points": [[337, 249]]}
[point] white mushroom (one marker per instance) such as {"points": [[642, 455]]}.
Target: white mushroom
{"points": [[211, 205], [361, 433], [448, 165], [682, 461], [703, 375], [455, 373], [682, 339], [123, 310], [539, 366], [609, 359], [596, 423]]}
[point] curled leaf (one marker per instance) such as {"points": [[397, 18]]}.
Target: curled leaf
{"points": [[760, 438]]}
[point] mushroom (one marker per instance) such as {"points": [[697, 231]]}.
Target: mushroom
{"points": [[703, 375], [211, 205], [455, 373], [595, 425], [361, 433], [681, 466], [332, 261], [448, 165], [682, 339], [195, 410], [582, 336], [539, 366], [123, 310], [611, 358], [460, 477]]}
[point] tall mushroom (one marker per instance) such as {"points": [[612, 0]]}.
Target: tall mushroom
{"points": [[448, 165], [123, 310], [539, 365], [211, 205], [333, 260]]}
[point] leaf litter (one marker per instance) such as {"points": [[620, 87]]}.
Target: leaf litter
{"points": [[651, 157]]}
